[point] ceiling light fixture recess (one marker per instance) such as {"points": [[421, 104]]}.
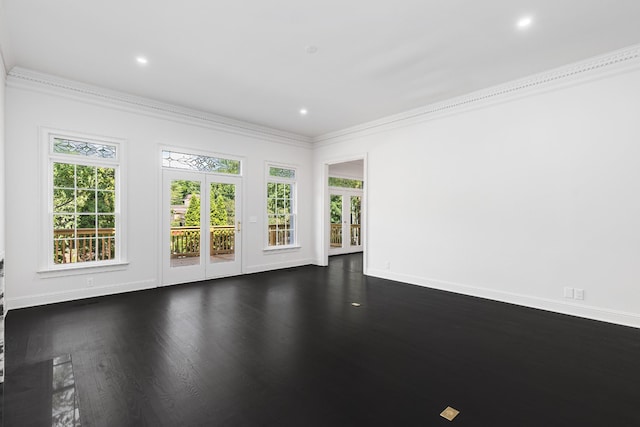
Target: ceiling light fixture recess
{"points": [[303, 111], [142, 60], [525, 22]]}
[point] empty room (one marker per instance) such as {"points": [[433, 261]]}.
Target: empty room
{"points": [[320, 213]]}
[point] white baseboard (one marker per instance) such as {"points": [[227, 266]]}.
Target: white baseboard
{"points": [[75, 294], [277, 265], [573, 309]]}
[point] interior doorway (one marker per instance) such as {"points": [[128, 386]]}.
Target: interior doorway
{"points": [[345, 200]]}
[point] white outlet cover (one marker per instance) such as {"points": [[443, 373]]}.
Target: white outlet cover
{"points": [[568, 292], [579, 294]]}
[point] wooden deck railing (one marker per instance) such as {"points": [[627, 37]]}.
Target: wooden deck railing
{"points": [[335, 238], [67, 249], [279, 236], [185, 241]]}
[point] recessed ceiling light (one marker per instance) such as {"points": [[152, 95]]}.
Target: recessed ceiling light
{"points": [[142, 60], [311, 49], [303, 111], [525, 22]]}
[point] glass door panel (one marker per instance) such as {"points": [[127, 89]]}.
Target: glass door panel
{"points": [[222, 215], [183, 220], [336, 220], [223, 219], [355, 220], [185, 223], [345, 214]]}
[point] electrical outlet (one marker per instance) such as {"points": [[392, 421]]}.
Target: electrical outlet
{"points": [[387, 265], [568, 292], [89, 282], [578, 294]]}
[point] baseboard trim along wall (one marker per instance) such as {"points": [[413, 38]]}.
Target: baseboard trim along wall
{"points": [[277, 266], [572, 309], [76, 294]]}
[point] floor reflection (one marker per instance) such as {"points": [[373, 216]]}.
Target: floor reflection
{"points": [[64, 401], [52, 383]]}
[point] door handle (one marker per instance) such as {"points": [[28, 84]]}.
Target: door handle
{"points": [[239, 226]]}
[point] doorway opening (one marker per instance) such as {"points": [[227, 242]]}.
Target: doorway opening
{"points": [[346, 207]]}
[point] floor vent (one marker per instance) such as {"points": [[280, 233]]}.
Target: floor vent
{"points": [[449, 413]]}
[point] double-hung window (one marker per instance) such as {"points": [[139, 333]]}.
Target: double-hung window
{"points": [[281, 206], [83, 198]]}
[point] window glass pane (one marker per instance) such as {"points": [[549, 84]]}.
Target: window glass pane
{"points": [[64, 223], [185, 233], [86, 201], [347, 183], [86, 225], [64, 201], [85, 250], [67, 146], [106, 201], [63, 175], [106, 178], [172, 159], [106, 225], [271, 189], [282, 172], [85, 176], [106, 248]]}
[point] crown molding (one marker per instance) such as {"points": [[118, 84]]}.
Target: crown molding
{"points": [[33, 80], [587, 70]]}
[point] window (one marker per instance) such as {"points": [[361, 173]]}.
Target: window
{"points": [[198, 162], [84, 202], [345, 182], [281, 206]]}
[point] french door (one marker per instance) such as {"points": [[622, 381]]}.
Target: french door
{"points": [[201, 226], [345, 216]]}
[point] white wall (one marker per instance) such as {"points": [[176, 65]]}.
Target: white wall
{"points": [[2, 193], [29, 108], [511, 200], [353, 169]]}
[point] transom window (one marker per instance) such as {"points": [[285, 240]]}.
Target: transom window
{"points": [[201, 163], [345, 182], [84, 201], [281, 206]]}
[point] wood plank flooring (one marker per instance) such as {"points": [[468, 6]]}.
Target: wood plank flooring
{"points": [[287, 348]]}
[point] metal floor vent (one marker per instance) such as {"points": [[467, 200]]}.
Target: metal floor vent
{"points": [[449, 413]]}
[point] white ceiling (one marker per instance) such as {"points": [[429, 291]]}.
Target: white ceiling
{"points": [[246, 59]]}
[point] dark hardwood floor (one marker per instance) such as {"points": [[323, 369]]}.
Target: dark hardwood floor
{"points": [[287, 348]]}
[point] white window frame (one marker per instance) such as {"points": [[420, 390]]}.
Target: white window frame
{"points": [[49, 157], [294, 204]]}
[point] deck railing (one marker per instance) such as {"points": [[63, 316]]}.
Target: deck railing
{"points": [[185, 241], [90, 245], [335, 238], [279, 236]]}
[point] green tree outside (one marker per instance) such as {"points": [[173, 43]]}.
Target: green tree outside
{"points": [[192, 217]]}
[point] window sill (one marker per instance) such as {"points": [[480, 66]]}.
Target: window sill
{"points": [[77, 269], [281, 248]]}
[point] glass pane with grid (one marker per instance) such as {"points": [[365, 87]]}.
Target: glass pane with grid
{"points": [[83, 213], [280, 214]]}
